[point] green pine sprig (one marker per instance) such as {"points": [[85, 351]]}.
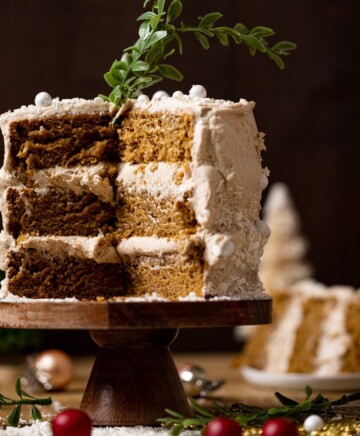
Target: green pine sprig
{"points": [[252, 416], [160, 36], [24, 399]]}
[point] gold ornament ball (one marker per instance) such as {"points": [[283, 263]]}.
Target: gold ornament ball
{"points": [[54, 369]]}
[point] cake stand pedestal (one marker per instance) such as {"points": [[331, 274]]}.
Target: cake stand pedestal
{"points": [[134, 377]]}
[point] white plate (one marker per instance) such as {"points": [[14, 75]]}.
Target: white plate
{"points": [[341, 382]]}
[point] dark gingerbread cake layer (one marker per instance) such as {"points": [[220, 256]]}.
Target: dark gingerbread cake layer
{"points": [[58, 213], [67, 140], [43, 275]]}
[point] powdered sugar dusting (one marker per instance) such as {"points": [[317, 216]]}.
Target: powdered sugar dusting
{"points": [[44, 429]]}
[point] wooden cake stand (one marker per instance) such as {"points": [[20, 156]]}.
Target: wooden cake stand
{"points": [[134, 377]]}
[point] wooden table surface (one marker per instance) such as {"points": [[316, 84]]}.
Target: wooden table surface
{"points": [[216, 366]]}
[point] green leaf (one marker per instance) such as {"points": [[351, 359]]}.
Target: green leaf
{"points": [[144, 30], [277, 59], [14, 417], [140, 66], [169, 53], [146, 3], [200, 409], [35, 414], [283, 47], [209, 19], [155, 21], [170, 72], [308, 391], [223, 38], [174, 11], [241, 28], [111, 80], [174, 414], [254, 42], [119, 65], [203, 40], [285, 400], [140, 80], [262, 31], [154, 55], [155, 37], [146, 16], [177, 430], [18, 387], [160, 6]]}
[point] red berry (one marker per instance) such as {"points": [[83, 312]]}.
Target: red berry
{"points": [[223, 427], [71, 422], [279, 427]]}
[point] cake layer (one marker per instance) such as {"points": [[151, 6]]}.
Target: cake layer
{"points": [[63, 140], [155, 199], [56, 212], [40, 274], [170, 276], [156, 136]]}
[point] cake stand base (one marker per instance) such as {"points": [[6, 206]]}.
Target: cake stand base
{"points": [[134, 377]]}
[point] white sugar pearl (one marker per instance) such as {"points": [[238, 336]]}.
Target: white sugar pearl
{"points": [[263, 228], [243, 101], [178, 94], [43, 99], [159, 95], [228, 249], [143, 98], [197, 91], [313, 423], [264, 181], [98, 100]]}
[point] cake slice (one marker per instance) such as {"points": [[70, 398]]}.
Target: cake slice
{"points": [[164, 201]]}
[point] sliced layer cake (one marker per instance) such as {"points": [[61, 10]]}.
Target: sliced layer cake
{"points": [[165, 201], [315, 330]]}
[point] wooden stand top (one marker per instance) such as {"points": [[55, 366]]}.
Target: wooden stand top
{"points": [[104, 315]]}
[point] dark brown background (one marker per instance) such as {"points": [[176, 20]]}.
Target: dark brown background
{"points": [[309, 111]]}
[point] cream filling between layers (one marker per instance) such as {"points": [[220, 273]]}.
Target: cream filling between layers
{"points": [[282, 340], [161, 180], [334, 338]]}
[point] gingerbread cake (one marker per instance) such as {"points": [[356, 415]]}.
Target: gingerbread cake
{"points": [[165, 200], [315, 330]]}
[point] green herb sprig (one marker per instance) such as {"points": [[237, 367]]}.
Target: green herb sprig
{"points": [[24, 399], [160, 36], [253, 416]]}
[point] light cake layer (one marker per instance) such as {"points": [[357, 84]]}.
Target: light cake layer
{"points": [[156, 136]]}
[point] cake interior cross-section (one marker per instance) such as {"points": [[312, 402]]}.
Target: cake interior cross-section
{"points": [[163, 203]]}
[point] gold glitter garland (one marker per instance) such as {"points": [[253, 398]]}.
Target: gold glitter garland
{"points": [[334, 428]]}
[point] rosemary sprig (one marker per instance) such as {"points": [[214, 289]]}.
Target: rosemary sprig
{"points": [[160, 36], [255, 416], [24, 399]]}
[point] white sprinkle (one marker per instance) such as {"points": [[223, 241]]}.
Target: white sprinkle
{"points": [[198, 91], [243, 101], [263, 228], [313, 423], [159, 95], [264, 181], [178, 94], [43, 99], [228, 249], [143, 98], [98, 100]]}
